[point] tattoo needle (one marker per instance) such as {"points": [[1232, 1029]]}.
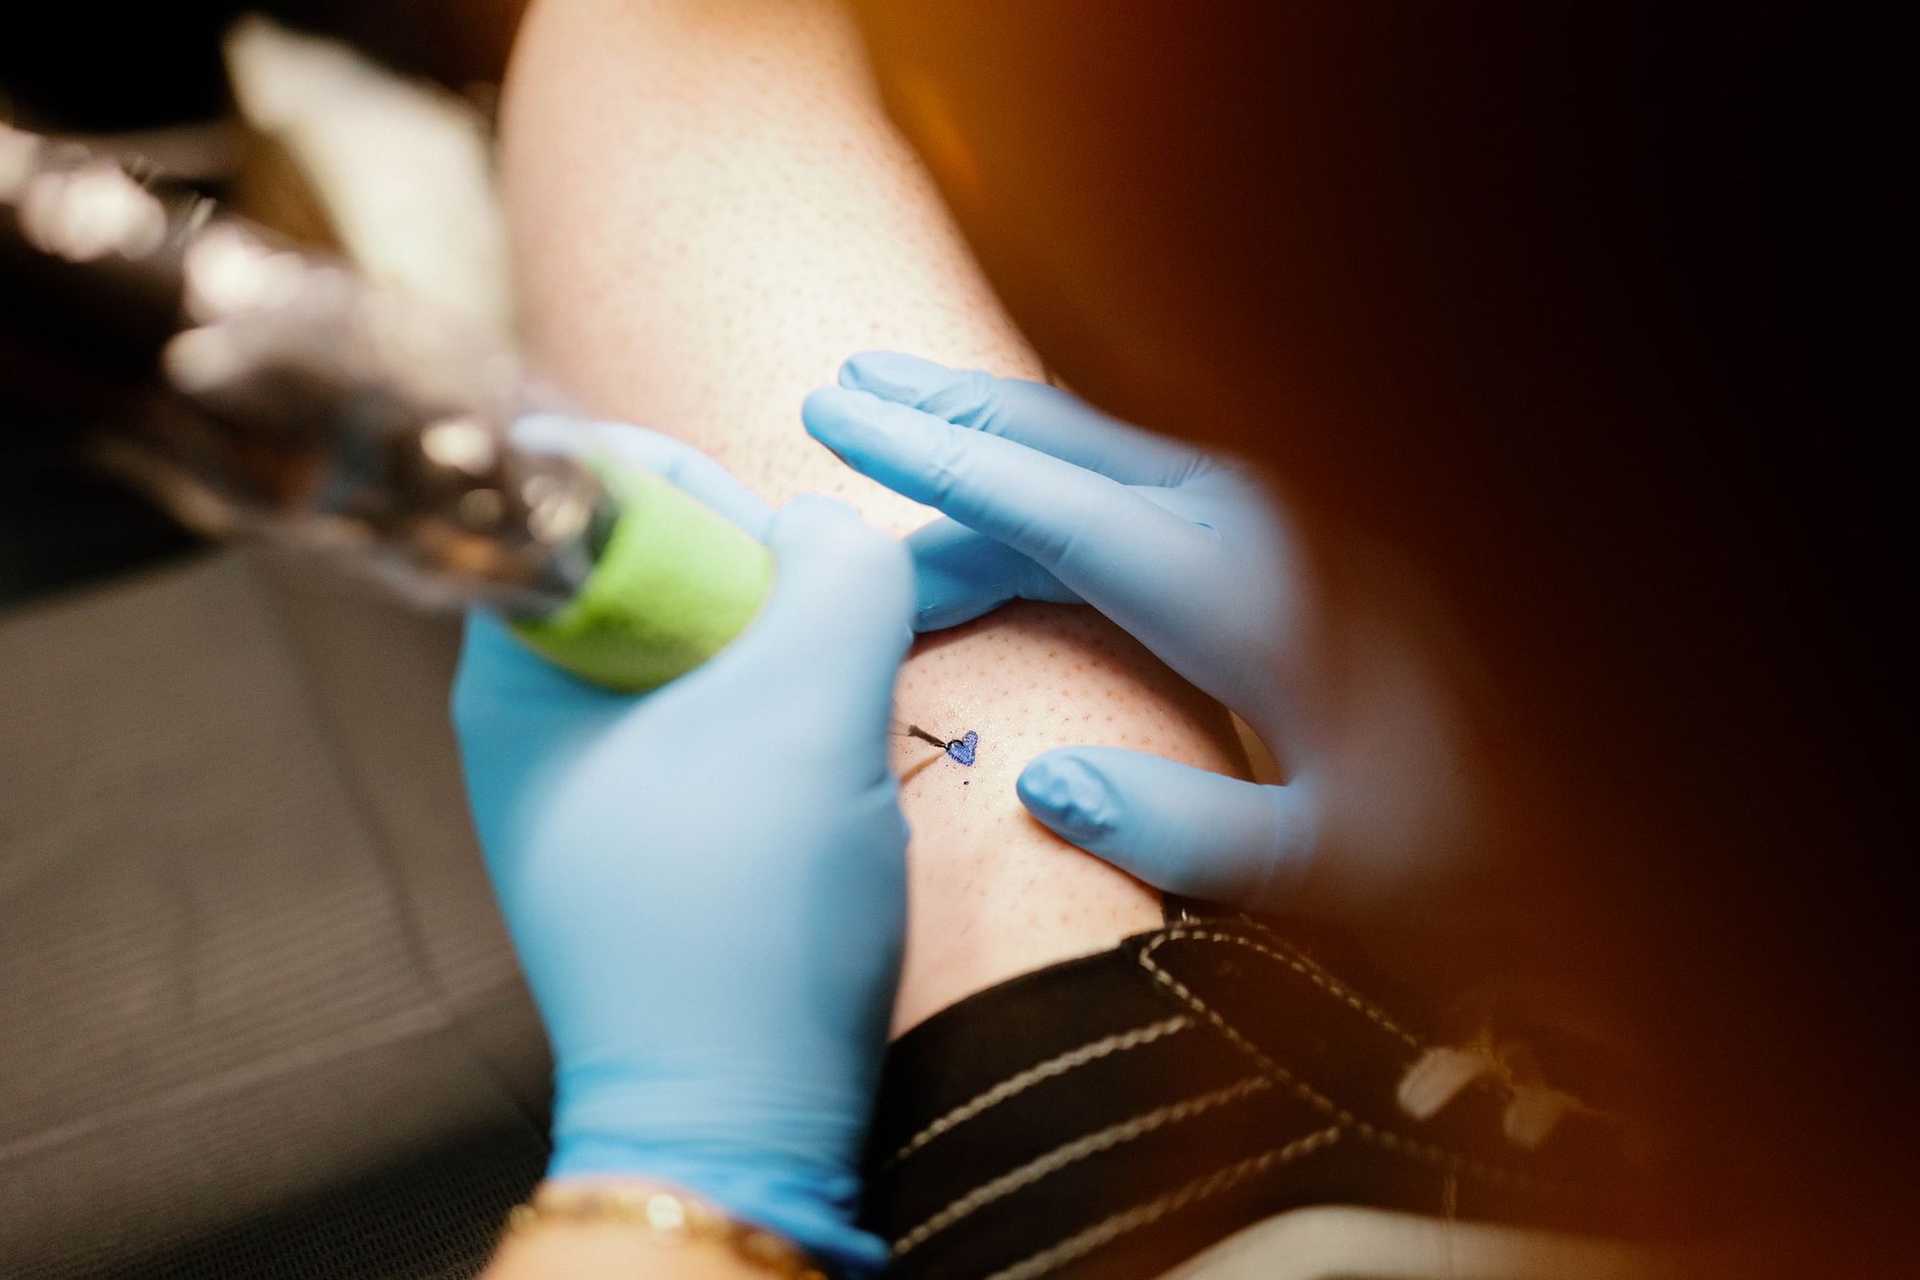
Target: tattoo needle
{"points": [[905, 730]]}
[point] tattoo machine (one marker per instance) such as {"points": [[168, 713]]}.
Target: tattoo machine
{"points": [[298, 400]]}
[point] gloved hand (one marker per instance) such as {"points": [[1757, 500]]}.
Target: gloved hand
{"points": [[705, 884], [1048, 499]]}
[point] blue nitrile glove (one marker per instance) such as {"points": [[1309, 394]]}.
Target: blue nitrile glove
{"points": [[1048, 499], [705, 884]]}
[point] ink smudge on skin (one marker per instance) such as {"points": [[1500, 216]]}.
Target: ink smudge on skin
{"points": [[962, 749]]}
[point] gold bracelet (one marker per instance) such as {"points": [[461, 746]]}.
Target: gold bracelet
{"points": [[667, 1215]]}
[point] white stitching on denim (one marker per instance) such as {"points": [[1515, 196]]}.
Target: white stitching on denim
{"points": [[1069, 1153], [1500, 1088], [1104, 1232], [1302, 1090], [1047, 1070], [1372, 1133], [1500, 1083], [1486, 1084], [1319, 977]]}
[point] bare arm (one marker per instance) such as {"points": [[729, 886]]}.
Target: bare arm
{"points": [[709, 212]]}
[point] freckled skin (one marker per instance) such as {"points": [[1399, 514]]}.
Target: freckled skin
{"points": [[992, 893], [709, 213]]}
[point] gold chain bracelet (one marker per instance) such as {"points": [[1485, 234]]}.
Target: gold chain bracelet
{"points": [[667, 1215]]}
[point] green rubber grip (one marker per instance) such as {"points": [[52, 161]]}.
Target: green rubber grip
{"points": [[674, 583]]}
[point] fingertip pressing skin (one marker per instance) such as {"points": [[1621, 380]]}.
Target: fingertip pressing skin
{"points": [[1065, 795], [992, 893]]}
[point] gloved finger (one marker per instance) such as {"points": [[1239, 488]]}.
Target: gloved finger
{"points": [[1181, 829], [1036, 415], [959, 574], [1092, 533], [676, 461], [836, 627]]}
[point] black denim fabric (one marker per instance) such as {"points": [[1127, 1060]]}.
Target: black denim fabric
{"points": [[1110, 1116]]}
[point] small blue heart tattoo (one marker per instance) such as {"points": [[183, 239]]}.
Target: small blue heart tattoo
{"points": [[962, 749]]}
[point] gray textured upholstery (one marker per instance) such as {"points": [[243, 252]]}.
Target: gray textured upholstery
{"points": [[258, 1015]]}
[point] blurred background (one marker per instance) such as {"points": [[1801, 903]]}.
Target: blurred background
{"points": [[345, 123], [259, 1016]]}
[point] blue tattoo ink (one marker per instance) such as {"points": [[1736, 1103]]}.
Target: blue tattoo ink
{"points": [[962, 749]]}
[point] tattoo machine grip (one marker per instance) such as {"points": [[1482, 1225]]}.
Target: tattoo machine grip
{"points": [[673, 583]]}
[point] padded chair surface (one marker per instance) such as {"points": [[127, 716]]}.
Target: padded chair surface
{"points": [[258, 1015]]}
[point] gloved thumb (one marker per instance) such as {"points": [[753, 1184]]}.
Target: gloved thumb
{"points": [[1180, 829], [838, 620]]}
